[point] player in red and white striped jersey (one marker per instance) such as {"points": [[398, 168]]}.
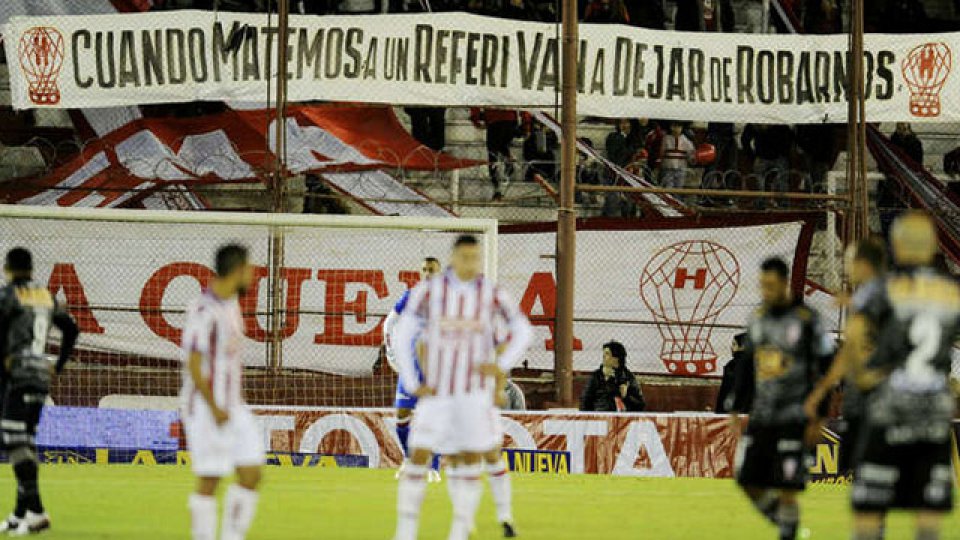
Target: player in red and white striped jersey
{"points": [[221, 433], [455, 314]]}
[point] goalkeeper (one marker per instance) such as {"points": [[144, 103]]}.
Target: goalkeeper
{"points": [[405, 402]]}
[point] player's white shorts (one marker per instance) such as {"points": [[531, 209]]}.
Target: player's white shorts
{"points": [[456, 424], [216, 451]]}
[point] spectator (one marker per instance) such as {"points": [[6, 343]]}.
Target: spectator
{"points": [[606, 12], [770, 147], [790, 8], [822, 17], [320, 199], [704, 16], [621, 144], [513, 398], [502, 126], [538, 153], [904, 137], [728, 383], [897, 17], [819, 143], [428, 125], [717, 175], [612, 387], [647, 14], [677, 152]]}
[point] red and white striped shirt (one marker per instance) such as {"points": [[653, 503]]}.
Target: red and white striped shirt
{"points": [[456, 321], [214, 329]]}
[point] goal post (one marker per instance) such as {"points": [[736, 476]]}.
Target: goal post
{"points": [[127, 276]]}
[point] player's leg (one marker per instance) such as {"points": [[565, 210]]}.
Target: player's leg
{"points": [[210, 460], [874, 483], [428, 428], [21, 417], [788, 514], [751, 470], [240, 502], [476, 434], [867, 525], [404, 416], [928, 525], [499, 478], [466, 496], [203, 508]]}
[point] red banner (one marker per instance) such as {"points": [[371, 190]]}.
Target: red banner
{"points": [[623, 445]]}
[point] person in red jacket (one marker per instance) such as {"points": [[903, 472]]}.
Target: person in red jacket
{"points": [[502, 126]]}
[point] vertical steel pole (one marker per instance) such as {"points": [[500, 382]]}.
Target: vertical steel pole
{"points": [[276, 303], [567, 217]]}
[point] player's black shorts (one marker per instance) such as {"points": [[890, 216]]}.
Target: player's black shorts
{"points": [[772, 457], [20, 416], [914, 476], [851, 437]]}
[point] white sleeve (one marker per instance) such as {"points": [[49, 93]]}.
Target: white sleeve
{"points": [[518, 328], [197, 332], [389, 327], [408, 326]]}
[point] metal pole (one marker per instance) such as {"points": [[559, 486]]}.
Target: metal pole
{"points": [[864, 201], [567, 217], [736, 194], [279, 206], [858, 225]]}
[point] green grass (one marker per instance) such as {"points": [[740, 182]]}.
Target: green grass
{"points": [[149, 502]]}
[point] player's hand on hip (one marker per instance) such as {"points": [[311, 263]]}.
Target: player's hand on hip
{"points": [[736, 424], [490, 370], [624, 388], [220, 416], [811, 435], [424, 391], [812, 403]]}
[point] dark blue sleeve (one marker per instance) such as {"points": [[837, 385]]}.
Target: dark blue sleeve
{"points": [[402, 302]]}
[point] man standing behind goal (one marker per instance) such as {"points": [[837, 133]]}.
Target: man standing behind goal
{"points": [[221, 433], [455, 314]]}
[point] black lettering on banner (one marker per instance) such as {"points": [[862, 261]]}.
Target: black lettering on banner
{"points": [[456, 60], [221, 50], [197, 43], [622, 60], [804, 80], [308, 52], [821, 73], [840, 60], [488, 60], [581, 67], [638, 68], [868, 74], [269, 33], [528, 62], [766, 77], [152, 57], [106, 77], [597, 81], [251, 57], [504, 60], [395, 59], [727, 64], [675, 86], [333, 53], [403, 50], [422, 47], [745, 74], [354, 38], [885, 85], [176, 56], [655, 89], [370, 61], [473, 58], [550, 67], [75, 50], [129, 70], [697, 64], [785, 76], [440, 61]]}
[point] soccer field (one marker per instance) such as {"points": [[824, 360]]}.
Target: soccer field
{"points": [[134, 502]]}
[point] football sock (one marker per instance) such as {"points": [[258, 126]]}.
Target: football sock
{"points": [[28, 488], [239, 507], [412, 485], [767, 503], [435, 462], [403, 433], [928, 534], [788, 519], [499, 479], [466, 501], [866, 535], [203, 517], [453, 483]]}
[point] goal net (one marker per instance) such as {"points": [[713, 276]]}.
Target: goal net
{"points": [[312, 320]]}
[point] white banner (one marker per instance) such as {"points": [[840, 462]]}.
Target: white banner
{"points": [[673, 297], [456, 59]]}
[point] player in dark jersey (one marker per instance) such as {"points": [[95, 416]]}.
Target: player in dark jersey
{"points": [[867, 264], [786, 347], [905, 462], [27, 311]]}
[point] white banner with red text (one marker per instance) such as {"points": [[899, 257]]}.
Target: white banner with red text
{"points": [[458, 59]]}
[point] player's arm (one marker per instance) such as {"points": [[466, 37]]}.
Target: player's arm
{"points": [[519, 332], [69, 333], [197, 343], [410, 321], [836, 373], [857, 339], [828, 368], [389, 325]]}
